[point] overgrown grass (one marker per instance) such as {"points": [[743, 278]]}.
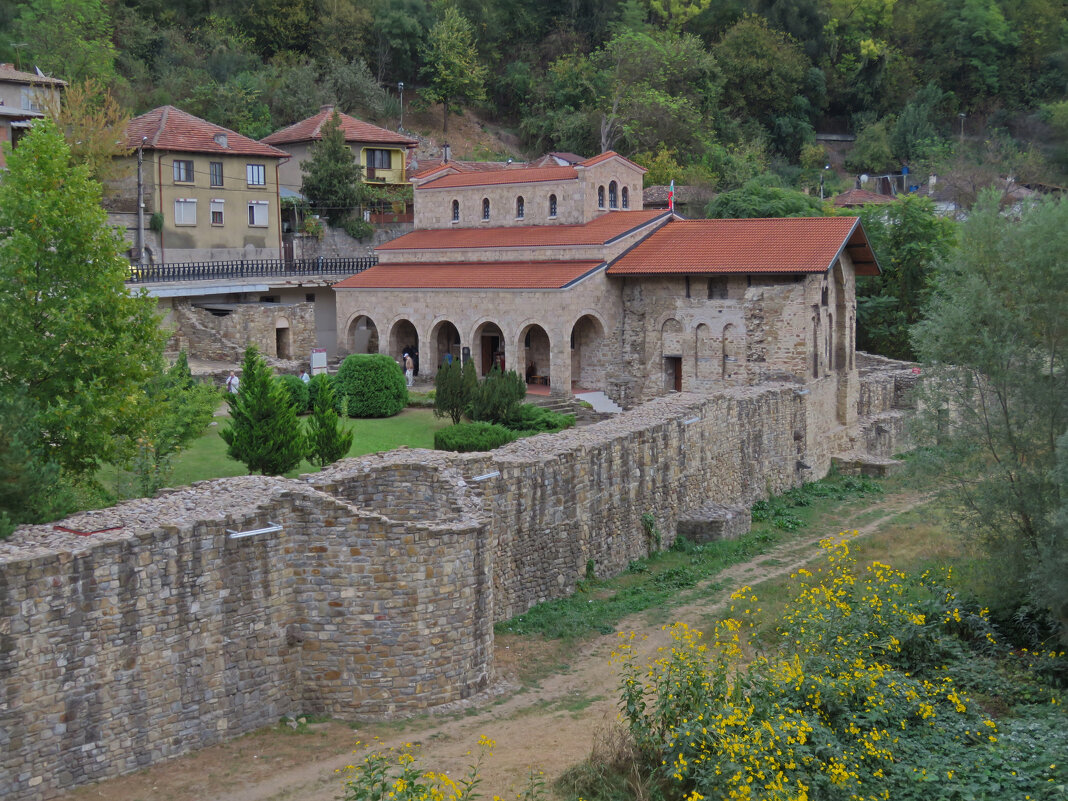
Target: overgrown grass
{"points": [[658, 581]]}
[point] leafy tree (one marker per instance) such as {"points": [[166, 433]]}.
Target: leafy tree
{"points": [[73, 337], [452, 72], [450, 400], [264, 432], [354, 87], [399, 29], [763, 197], [94, 125], [498, 397], [995, 399], [908, 238], [675, 14], [280, 25], [871, 152], [915, 132], [332, 176], [68, 38], [328, 441]]}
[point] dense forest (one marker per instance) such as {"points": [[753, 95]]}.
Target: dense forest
{"points": [[703, 91]]}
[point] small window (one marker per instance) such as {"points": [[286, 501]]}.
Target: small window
{"points": [[600, 197], [687, 286], [485, 208], [456, 211], [215, 173], [552, 205], [216, 212], [626, 198], [185, 211], [520, 208], [309, 297], [31, 100], [256, 174], [257, 213], [717, 288], [613, 195], [183, 171]]}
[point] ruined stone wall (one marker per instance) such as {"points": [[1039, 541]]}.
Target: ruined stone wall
{"points": [[378, 594], [207, 336]]}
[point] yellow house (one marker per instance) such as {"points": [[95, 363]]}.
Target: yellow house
{"points": [[212, 192], [381, 153]]}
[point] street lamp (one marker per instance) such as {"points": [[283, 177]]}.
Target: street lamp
{"points": [[962, 115], [400, 88], [141, 203], [822, 173]]}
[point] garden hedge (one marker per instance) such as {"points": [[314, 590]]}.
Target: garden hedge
{"points": [[373, 384], [467, 437]]}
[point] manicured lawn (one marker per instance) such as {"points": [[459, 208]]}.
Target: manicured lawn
{"points": [[206, 457]]}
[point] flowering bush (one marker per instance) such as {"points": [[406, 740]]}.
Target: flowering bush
{"points": [[855, 702]]}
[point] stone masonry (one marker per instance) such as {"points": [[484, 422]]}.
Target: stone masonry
{"points": [[370, 589]]}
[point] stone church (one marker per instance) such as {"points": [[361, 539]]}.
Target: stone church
{"points": [[557, 271]]}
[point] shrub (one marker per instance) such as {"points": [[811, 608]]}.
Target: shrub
{"points": [[357, 228], [297, 391], [467, 437], [326, 380], [498, 397], [531, 419], [373, 385], [327, 440], [450, 394]]}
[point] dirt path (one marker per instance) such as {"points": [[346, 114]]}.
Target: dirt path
{"points": [[546, 728]]}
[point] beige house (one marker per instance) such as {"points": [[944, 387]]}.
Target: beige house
{"points": [[214, 192], [381, 154], [558, 272], [24, 97]]}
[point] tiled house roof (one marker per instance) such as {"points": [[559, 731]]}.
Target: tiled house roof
{"points": [[473, 275], [169, 128], [499, 176], [9, 74], [355, 130], [781, 245]]}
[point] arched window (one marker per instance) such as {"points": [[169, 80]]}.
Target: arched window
{"points": [[456, 211], [552, 205], [626, 198], [520, 209], [485, 208], [613, 196], [600, 197]]}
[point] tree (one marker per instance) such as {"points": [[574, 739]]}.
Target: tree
{"points": [[995, 395], [498, 397], [94, 125], [73, 337], [332, 176], [328, 441], [452, 72], [70, 38], [908, 238], [764, 197], [264, 432], [450, 400]]}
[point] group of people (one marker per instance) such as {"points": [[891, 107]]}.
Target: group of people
{"points": [[233, 382]]}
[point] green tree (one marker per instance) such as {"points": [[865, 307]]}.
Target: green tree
{"points": [[328, 441], [68, 38], [995, 396], [764, 197], [452, 72], [372, 385], [264, 432], [94, 125], [332, 177], [73, 337], [871, 152], [915, 132], [498, 397], [908, 238], [450, 400]]}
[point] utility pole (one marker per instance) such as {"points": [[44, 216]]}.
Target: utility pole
{"points": [[400, 88], [141, 202], [822, 173]]}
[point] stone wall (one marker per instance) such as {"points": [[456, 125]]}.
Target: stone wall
{"points": [[378, 593], [224, 338]]}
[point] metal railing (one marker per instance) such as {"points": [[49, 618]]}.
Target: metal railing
{"points": [[252, 268]]}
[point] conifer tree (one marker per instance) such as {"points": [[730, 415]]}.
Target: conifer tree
{"points": [[469, 382], [264, 432], [328, 441], [332, 178], [450, 400]]}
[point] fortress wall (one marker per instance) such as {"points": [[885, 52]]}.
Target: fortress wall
{"points": [[126, 647]]}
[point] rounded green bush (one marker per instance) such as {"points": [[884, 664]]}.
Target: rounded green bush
{"points": [[373, 385], [467, 437], [297, 391]]}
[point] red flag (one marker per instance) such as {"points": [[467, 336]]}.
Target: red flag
{"points": [[671, 196]]}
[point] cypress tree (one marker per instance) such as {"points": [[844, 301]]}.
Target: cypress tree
{"points": [[264, 432], [327, 440], [450, 400]]}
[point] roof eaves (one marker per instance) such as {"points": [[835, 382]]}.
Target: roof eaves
{"points": [[580, 278], [638, 227]]}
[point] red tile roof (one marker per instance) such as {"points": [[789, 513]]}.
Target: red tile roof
{"points": [[472, 275], [783, 245], [9, 74], [169, 128], [859, 197], [599, 231], [609, 154], [355, 131], [498, 176]]}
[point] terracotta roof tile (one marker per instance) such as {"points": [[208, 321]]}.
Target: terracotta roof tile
{"points": [[859, 197], [472, 275], [610, 154], [782, 245], [9, 74], [502, 176], [598, 231], [169, 128], [355, 131]]}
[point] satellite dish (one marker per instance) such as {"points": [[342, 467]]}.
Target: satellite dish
{"points": [[865, 178]]}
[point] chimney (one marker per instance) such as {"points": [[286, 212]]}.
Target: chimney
{"points": [[327, 107], [446, 153]]}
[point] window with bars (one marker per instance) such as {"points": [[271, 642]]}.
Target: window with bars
{"points": [[613, 195], [552, 205], [520, 208], [456, 211], [625, 197], [485, 208]]}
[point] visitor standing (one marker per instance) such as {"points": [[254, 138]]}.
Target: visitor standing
{"points": [[304, 376], [232, 383], [409, 369]]}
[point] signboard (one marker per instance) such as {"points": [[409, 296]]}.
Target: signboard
{"points": [[318, 361]]}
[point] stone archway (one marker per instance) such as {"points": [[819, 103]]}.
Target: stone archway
{"points": [[537, 354], [487, 349], [445, 342], [588, 362], [403, 338], [362, 335]]}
